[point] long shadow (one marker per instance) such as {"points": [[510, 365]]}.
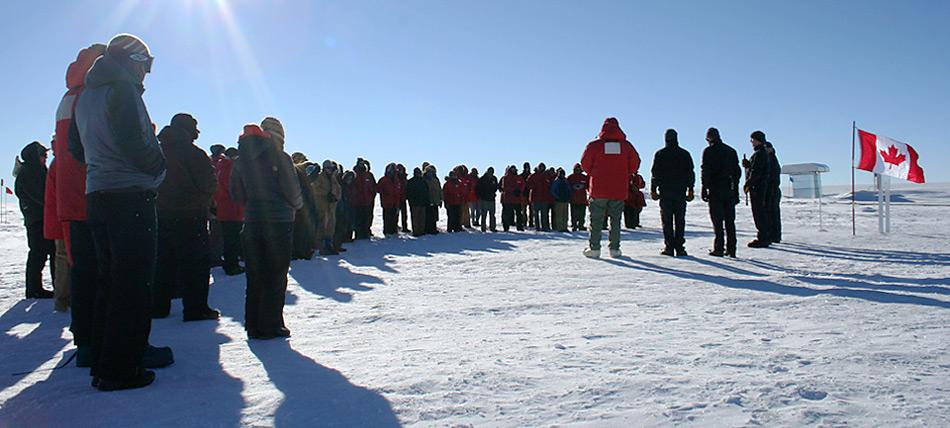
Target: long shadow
{"points": [[315, 395], [845, 281], [857, 280], [862, 255], [328, 278], [21, 355], [772, 287]]}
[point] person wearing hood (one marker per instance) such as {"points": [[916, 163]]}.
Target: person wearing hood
{"points": [[759, 185], [391, 195], [579, 183], [435, 200], [305, 219], [70, 196], [184, 201], [115, 137], [229, 215], [417, 194], [720, 189], [775, 192], [609, 161], [403, 205], [672, 183], [634, 204], [30, 188], [327, 194], [485, 189], [362, 197], [539, 188], [454, 193], [512, 200], [471, 199], [264, 181], [561, 192]]}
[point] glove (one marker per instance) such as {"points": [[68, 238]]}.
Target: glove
{"points": [[689, 195], [745, 188], [654, 195], [746, 163], [704, 194]]}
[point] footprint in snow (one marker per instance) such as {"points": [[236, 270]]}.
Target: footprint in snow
{"points": [[811, 394]]}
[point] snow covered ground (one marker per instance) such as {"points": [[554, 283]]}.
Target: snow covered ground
{"points": [[519, 329]]}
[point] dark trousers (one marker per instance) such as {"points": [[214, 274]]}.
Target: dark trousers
{"points": [[124, 228], [361, 221], [404, 213], [762, 215], [722, 212], [231, 232], [542, 216], [183, 254], [418, 220], [776, 211], [453, 214], [216, 242], [512, 215], [390, 221], [578, 216], [267, 260], [432, 216], [41, 250], [673, 214], [84, 282], [631, 216]]}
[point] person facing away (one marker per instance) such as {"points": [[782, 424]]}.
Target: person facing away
{"points": [[539, 188], [435, 200], [305, 219], [124, 167], [184, 201], [391, 195], [720, 189], [609, 161], [327, 193], [672, 183], [264, 181], [758, 184], [579, 183], [229, 215], [403, 205], [53, 230], [561, 192], [454, 192], [30, 188], [485, 190], [634, 204], [512, 200], [417, 194]]}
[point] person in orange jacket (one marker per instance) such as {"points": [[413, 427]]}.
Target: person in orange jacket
{"points": [[453, 192]]}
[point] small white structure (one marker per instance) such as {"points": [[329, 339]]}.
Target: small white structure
{"points": [[805, 179]]}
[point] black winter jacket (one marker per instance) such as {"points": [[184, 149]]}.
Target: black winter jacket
{"points": [[721, 172], [189, 179], [487, 188], [265, 182], [759, 176], [417, 192], [30, 184], [673, 172]]}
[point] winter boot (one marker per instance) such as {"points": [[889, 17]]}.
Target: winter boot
{"points": [[327, 249], [233, 270], [205, 315], [755, 243], [616, 254], [667, 252], [716, 253], [158, 357], [592, 254], [142, 378]]}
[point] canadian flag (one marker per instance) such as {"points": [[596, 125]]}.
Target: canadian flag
{"points": [[882, 155]]}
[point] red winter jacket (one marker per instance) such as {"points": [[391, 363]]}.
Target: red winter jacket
{"points": [[636, 199], [364, 190], [609, 161], [579, 185], [512, 189], [539, 184], [391, 191], [228, 210], [71, 174], [453, 191], [471, 182]]}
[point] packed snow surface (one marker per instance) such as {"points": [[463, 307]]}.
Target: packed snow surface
{"points": [[519, 329]]}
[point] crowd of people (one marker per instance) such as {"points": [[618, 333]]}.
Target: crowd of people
{"points": [[130, 218]]}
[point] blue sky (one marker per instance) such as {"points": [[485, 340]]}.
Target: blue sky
{"points": [[503, 82]]}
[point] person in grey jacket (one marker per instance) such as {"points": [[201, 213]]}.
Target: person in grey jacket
{"points": [[265, 183], [124, 167]]}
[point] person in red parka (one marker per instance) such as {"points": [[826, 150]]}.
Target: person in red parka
{"points": [[471, 200], [404, 205], [609, 160], [579, 183], [391, 196], [634, 203], [363, 193], [230, 215], [512, 199], [539, 188], [453, 193]]}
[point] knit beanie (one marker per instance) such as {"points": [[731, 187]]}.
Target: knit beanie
{"points": [[758, 136]]}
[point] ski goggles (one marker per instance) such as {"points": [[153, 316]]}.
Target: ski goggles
{"points": [[143, 58]]}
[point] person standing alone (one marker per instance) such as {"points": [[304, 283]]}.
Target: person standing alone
{"points": [[609, 161], [672, 183], [758, 184], [720, 189], [30, 186]]}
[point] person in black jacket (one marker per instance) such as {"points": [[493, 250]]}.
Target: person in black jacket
{"points": [[672, 183], [720, 188], [486, 189], [758, 185], [775, 193], [30, 186], [417, 192], [184, 201]]}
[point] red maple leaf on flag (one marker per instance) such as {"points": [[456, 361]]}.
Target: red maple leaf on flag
{"points": [[892, 156]]}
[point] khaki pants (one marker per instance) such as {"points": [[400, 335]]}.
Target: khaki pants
{"points": [[61, 285], [598, 209], [418, 215], [466, 217], [326, 222], [560, 217]]}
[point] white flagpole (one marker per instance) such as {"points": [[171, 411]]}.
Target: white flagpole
{"points": [[821, 223]]}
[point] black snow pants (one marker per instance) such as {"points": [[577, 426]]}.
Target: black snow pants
{"points": [[183, 254], [673, 215], [267, 261]]}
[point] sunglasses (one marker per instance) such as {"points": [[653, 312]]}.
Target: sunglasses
{"points": [[140, 57]]}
